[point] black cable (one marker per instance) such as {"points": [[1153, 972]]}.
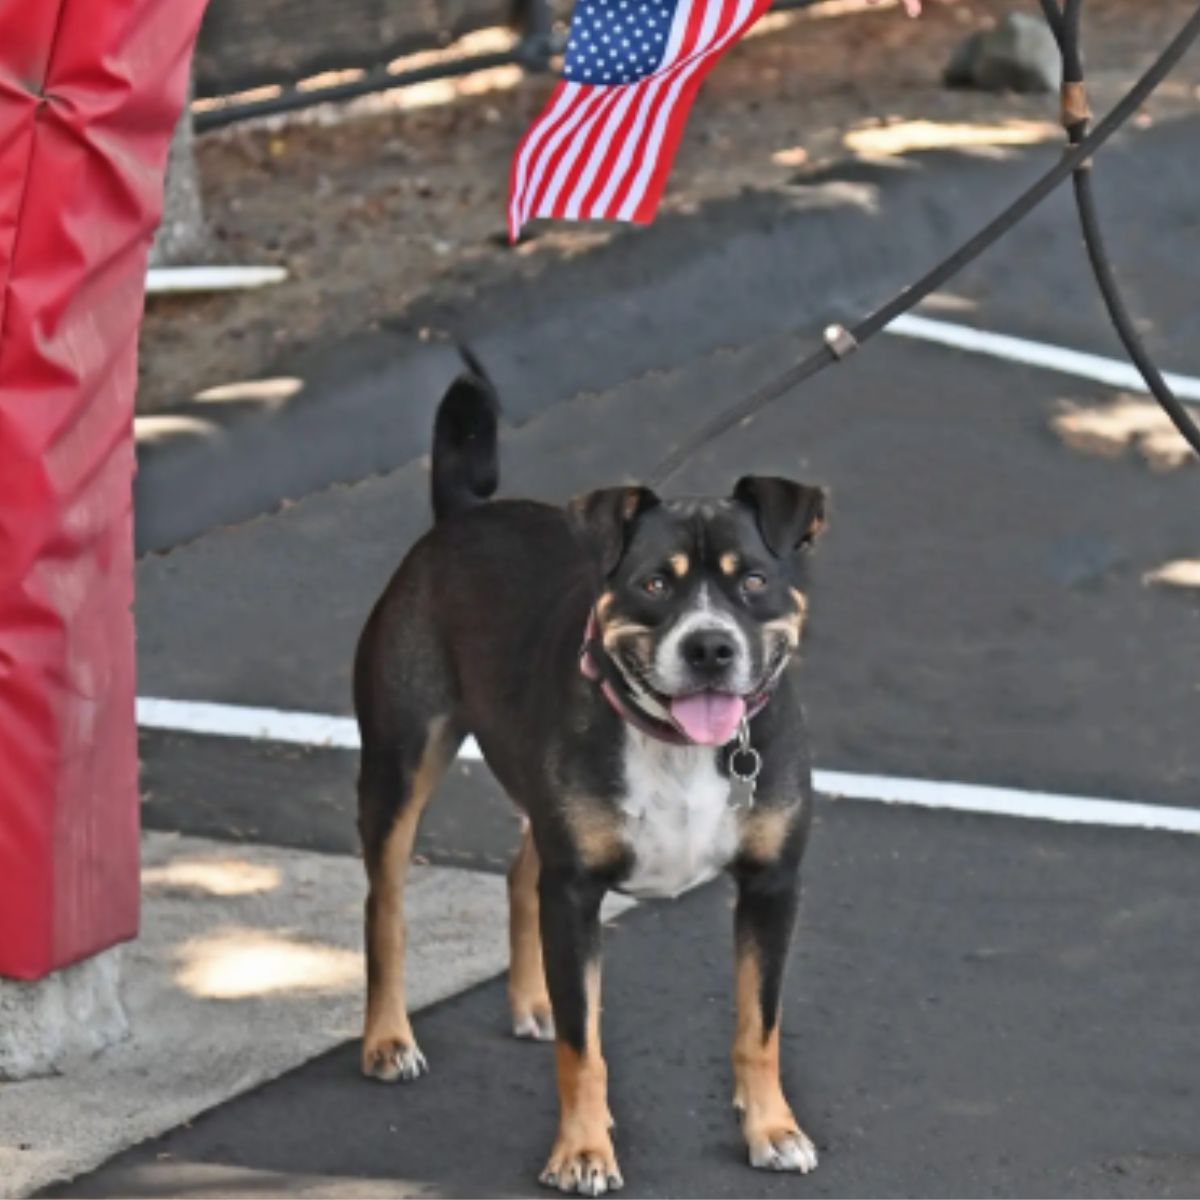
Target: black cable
{"points": [[1074, 162], [1122, 322], [1066, 29]]}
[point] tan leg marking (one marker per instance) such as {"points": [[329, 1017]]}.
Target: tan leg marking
{"points": [[775, 1140], [583, 1159], [763, 831], [596, 832], [389, 1050], [527, 995]]}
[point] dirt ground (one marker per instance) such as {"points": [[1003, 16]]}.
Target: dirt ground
{"points": [[402, 196]]}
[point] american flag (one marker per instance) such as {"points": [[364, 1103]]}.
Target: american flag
{"points": [[604, 143]]}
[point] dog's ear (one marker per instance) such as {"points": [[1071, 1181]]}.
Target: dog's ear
{"points": [[790, 515], [602, 520]]}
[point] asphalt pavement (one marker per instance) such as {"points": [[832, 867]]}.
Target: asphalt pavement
{"points": [[979, 1005]]}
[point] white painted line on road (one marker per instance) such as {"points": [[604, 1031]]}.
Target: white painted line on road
{"points": [[1007, 802], [318, 729], [263, 724], [234, 720], [1110, 371]]}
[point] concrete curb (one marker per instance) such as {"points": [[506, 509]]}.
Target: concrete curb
{"points": [[735, 272], [48, 1025], [363, 407]]}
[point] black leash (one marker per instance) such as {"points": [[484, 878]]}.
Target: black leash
{"points": [[1084, 141], [1076, 117]]}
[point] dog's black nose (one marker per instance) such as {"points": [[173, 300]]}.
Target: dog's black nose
{"points": [[708, 650]]}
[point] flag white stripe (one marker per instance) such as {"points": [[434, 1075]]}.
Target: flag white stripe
{"points": [[532, 145], [614, 114], [617, 171], [516, 202], [548, 150], [638, 188], [679, 24], [566, 164], [585, 108], [612, 117], [649, 89]]}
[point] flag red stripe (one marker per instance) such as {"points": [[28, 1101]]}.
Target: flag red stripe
{"points": [[623, 166], [595, 132], [660, 96], [617, 122], [549, 158], [598, 122], [522, 167], [656, 184], [664, 154], [618, 163], [692, 34]]}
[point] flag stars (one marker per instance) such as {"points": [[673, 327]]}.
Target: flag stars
{"points": [[616, 41]]}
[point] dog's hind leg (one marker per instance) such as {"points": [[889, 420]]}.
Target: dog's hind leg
{"points": [[527, 994], [395, 783]]}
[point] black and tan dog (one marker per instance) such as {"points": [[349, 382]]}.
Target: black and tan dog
{"points": [[669, 748]]}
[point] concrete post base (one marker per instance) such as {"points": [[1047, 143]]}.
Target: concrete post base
{"points": [[66, 1018]]}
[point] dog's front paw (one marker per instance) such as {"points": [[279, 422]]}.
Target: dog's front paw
{"points": [[390, 1059], [773, 1136], [781, 1148], [585, 1167], [535, 1022]]}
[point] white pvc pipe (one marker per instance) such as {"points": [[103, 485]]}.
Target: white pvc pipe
{"points": [[166, 280]]}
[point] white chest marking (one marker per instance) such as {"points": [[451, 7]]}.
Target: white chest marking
{"points": [[678, 821]]}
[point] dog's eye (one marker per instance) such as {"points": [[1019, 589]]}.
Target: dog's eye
{"points": [[655, 586], [754, 582]]}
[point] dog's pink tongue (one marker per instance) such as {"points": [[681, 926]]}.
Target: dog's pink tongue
{"points": [[709, 718]]}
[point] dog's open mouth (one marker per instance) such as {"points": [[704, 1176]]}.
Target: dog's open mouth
{"points": [[707, 718]]}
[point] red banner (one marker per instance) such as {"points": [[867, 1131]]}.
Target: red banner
{"points": [[89, 94]]}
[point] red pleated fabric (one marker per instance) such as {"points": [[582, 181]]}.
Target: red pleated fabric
{"points": [[89, 94]]}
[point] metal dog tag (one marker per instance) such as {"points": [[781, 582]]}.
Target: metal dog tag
{"points": [[745, 763]]}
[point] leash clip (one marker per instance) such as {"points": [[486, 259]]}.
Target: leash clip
{"points": [[840, 340], [743, 783]]}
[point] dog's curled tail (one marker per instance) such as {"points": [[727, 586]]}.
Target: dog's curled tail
{"points": [[466, 468]]}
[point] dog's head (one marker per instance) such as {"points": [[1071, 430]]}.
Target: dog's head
{"points": [[703, 601]]}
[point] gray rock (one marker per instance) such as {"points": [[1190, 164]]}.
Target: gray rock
{"points": [[960, 70], [1019, 55]]}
